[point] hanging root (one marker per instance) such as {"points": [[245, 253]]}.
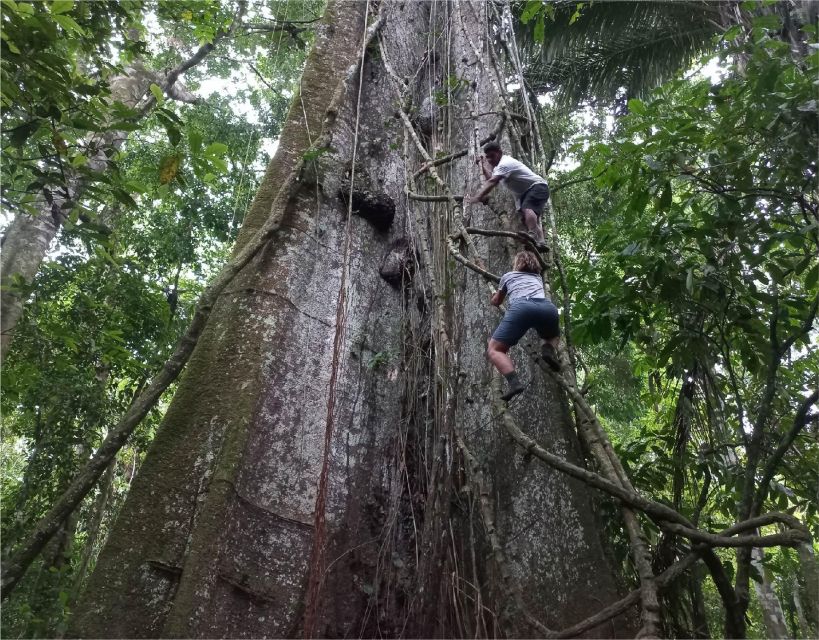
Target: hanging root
{"points": [[487, 508]]}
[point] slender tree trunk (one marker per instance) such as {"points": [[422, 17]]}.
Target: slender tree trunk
{"points": [[809, 587], [772, 613], [306, 479], [93, 531], [45, 599], [699, 620]]}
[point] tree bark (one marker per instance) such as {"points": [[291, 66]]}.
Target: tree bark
{"points": [[772, 614], [225, 531]]}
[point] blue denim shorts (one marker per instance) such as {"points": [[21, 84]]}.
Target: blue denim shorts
{"points": [[524, 314], [535, 198]]}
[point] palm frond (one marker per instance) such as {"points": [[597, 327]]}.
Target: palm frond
{"points": [[615, 46]]}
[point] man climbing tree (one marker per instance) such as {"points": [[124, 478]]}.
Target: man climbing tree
{"points": [[528, 309], [530, 190]]}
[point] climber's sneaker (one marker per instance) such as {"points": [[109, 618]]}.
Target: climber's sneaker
{"points": [[540, 245], [550, 356], [514, 389]]}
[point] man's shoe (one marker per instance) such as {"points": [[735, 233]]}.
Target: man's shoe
{"points": [[550, 357], [514, 389], [540, 245]]}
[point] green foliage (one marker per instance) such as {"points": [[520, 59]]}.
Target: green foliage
{"points": [[57, 59], [692, 254], [600, 51], [608, 52]]}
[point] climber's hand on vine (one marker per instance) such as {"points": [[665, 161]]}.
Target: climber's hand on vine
{"points": [[486, 168], [481, 196], [497, 298]]}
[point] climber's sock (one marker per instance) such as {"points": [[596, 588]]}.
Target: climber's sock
{"points": [[515, 386]]}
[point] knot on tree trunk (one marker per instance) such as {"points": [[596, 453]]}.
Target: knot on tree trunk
{"points": [[377, 208], [397, 262]]}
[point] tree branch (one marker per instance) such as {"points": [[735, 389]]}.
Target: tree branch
{"points": [[569, 183], [664, 516], [517, 235], [422, 197], [460, 154], [197, 57], [799, 422], [467, 263], [804, 328]]}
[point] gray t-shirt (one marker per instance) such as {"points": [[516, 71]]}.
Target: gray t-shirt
{"points": [[516, 177], [521, 284]]}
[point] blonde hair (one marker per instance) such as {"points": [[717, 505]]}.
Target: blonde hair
{"points": [[526, 261]]}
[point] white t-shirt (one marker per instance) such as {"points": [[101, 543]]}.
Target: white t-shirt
{"points": [[516, 177], [521, 284]]}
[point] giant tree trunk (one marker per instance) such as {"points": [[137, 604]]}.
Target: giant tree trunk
{"points": [[306, 479]]}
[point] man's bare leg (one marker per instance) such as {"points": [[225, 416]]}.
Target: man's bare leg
{"points": [[532, 223]]}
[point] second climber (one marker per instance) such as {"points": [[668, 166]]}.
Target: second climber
{"points": [[530, 190], [528, 309]]}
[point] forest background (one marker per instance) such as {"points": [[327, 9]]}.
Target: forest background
{"points": [[685, 228]]}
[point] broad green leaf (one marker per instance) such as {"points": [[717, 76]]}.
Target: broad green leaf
{"points": [[174, 135], [637, 106], [530, 10], [102, 253], [157, 91], [84, 124], [12, 47], [216, 149], [220, 164], [665, 198], [137, 187], [195, 141], [168, 168], [124, 197], [770, 22], [540, 29], [23, 132], [68, 23], [61, 6], [576, 14], [733, 33], [812, 277]]}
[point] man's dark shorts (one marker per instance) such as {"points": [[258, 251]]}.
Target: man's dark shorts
{"points": [[524, 314], [535, 198]]}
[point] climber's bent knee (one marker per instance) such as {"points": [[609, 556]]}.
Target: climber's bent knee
{"points": [[496, 345]]}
